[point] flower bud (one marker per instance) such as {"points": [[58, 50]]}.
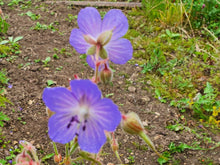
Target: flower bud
{"points": [[57, 158], [67, 161], [114, 145], [131, 123], [106, 75], [23, 157]]}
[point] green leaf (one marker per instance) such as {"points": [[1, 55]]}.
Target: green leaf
{"points": [[18, 38], [50, 82], [47, 156], [208, 88], [4, 42], [3, 162], [161, 161]]}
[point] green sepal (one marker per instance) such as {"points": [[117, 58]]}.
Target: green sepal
{"points": [[103, 53], [91, 50]]}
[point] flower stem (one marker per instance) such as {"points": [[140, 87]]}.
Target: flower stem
{"points": [[67, 150], [96, 60], [73, 147], [55, 148], [150, 143]]}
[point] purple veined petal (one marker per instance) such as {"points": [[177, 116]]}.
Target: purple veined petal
{"points": [[91, 137], [116, 20], [89, 21], [61, 129], [78, 42], [59, 99], [90, 59], [119, 51], [85, 89], [106, 113]]}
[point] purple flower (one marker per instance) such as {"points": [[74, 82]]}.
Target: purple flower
{"points": [[10, 85], [105, 34], [80, 112], [90, 59]]}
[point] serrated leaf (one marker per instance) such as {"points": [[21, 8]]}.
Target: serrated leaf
{"points": [[47, 156], [50, 82], [4, 42], [18, 38]]}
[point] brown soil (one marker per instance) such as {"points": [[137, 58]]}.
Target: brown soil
{"points": [[128, 92]]}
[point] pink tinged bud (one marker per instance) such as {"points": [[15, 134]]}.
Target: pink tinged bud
{"points": [[67, 161], [23, 157], [203, 6], [131, 123], [105, 37], [89, 39], [114, 145], [57, 158], [106, 75]]}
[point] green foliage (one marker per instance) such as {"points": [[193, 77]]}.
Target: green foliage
{"points": [[46, 157], [204, 12], [71, 17], [202, 105], [22, 3], [3, 118], [40, 26], [50, 82], [3, 78], [172, 149], [46, 61], [3, 26], [10, 45], [32, 15]]}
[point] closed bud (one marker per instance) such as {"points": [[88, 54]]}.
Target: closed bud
{"points": [[114, 145], [131, 123], [106, 75], [57, 158], [67, 160], [23, 157]]}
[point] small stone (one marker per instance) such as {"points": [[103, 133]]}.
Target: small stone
{"points": [[35, 68], [6, 153], [145, 99], [126, 161], [38, 146], [120, 82], [157, 137], [28, 133], [131, 89], [145, 123], [156, 113], [30, 102], [148, 82], [133, 77]]}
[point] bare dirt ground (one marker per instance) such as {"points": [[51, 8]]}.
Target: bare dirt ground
{"points": [[28, 119]]}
